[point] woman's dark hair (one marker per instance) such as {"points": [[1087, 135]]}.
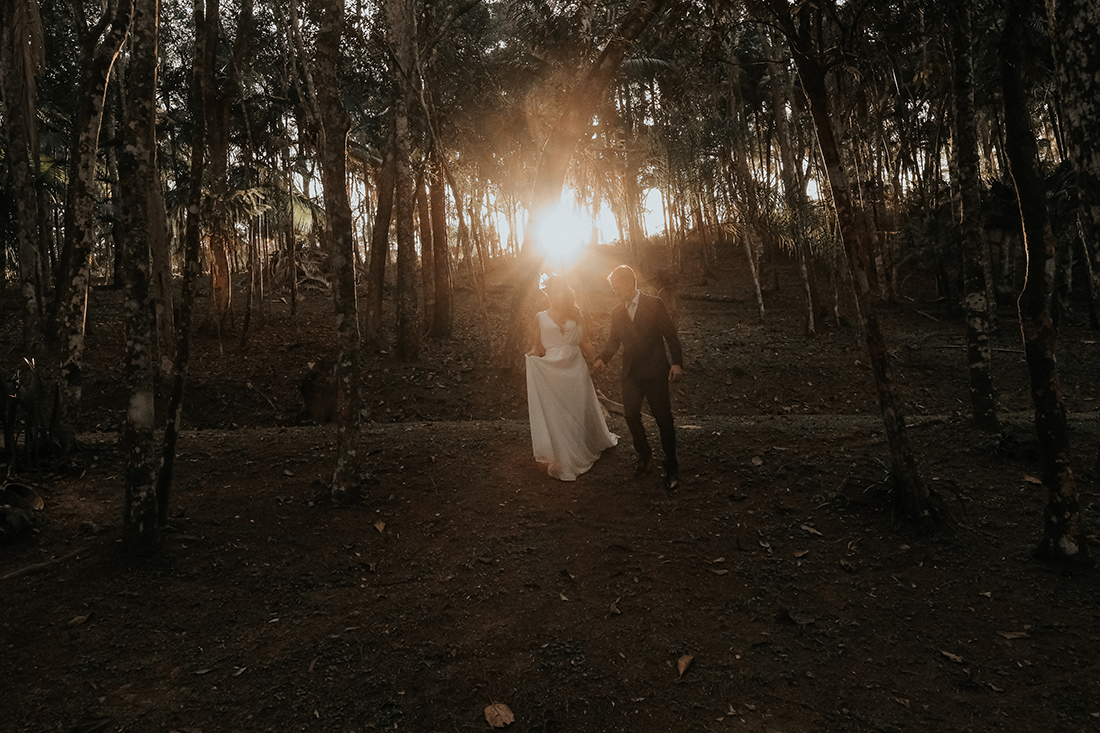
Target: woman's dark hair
{"points": [[558, 280]]}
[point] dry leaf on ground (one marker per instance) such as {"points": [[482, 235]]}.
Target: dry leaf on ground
{"points": [[499, 715], [953, 657], [380, 525], [683, 663]]}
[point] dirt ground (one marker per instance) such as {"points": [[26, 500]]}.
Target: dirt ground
{"points": [[777, 574]]}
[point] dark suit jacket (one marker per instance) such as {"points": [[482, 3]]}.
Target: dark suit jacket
{"points": [[643, 340]]}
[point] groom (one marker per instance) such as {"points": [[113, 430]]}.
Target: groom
{"points": [[641, 324]]}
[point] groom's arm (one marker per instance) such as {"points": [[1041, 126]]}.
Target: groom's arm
{"points": [[614, 341], [667, 330]]}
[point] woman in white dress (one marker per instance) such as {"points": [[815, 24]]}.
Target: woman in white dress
{"points": [[568, 431]]}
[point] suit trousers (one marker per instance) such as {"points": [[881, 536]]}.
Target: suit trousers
{"points": [[654, 391]]}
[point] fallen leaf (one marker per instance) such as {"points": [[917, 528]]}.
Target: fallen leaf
{"points": [[78, 620], [1014, 634], [718, 571], [615, 606], [203, 671], [1033, 480], [757, 461], [683, 663], [239, 671], [995, 688], [953, 657], [499, 715], [718, 560], [380, 525], [804, 553], [562, 596], [848, 566], [811, 530]]}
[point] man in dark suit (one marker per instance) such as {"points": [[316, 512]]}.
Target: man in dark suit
{"points": [[641, 325]]}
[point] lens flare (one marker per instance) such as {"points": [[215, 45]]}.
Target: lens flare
{"points": [[562, 233]]}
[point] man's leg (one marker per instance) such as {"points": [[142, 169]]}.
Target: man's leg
{"points": [[660, 403], [632, 411]]}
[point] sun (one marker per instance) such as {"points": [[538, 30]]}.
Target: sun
{"points": [[561, 234]]}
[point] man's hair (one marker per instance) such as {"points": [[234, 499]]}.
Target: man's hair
{"points": [[623, 271]]}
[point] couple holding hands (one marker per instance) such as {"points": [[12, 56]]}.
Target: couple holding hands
{"points": [[568, 430]]}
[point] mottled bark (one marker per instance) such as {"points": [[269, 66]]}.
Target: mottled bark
{"points": [[138, 173], [427, 250], [1063, 530], [335, 125], [21, 58], [402, 22], [1075, 35], [557, 153], [442, 317], [192, 268], [857, 238], [380, 247], [99, 45], [983, 400]]}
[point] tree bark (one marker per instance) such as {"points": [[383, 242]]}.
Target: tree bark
{"points": [[402, 20], [99, 46], [427, 250], [138, 172], [983, 399], [442, 317], [380, 247], [1063, 520], [917, 503], [1075, 33], [192, 268], [21, 60], [335, 125]]}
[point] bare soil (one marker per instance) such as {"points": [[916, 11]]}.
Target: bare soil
{"points": [[778, 574]]}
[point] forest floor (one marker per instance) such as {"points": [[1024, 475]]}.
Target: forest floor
{"points": [[778, 572]]}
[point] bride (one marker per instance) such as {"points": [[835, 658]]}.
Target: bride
{"points": [[568, 431]]}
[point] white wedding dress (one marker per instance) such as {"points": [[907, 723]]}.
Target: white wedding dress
{"points": [[568, 431]]}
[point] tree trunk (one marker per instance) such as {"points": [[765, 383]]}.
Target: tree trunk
{"points": [[335, 125], [98, 48], [402, 20], [21, 60], [192, 268], [1063, 530], [427, 250], [858, 240], [983, 400], [1076, 40], [138, 172], [442, 318], [380, 247]]}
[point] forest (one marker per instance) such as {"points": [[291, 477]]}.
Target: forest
{"points": [[269, 270]]}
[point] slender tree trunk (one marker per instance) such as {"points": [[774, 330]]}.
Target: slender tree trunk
{"points": [[442, 318], [137, 168], [793, 191], [21, 60], [192, 268], [427, 250], [1076, 40], [403, 40], [1063, 525], [858, 240], [983, 400], [380, 247], [99, 48], [335, 125]]}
